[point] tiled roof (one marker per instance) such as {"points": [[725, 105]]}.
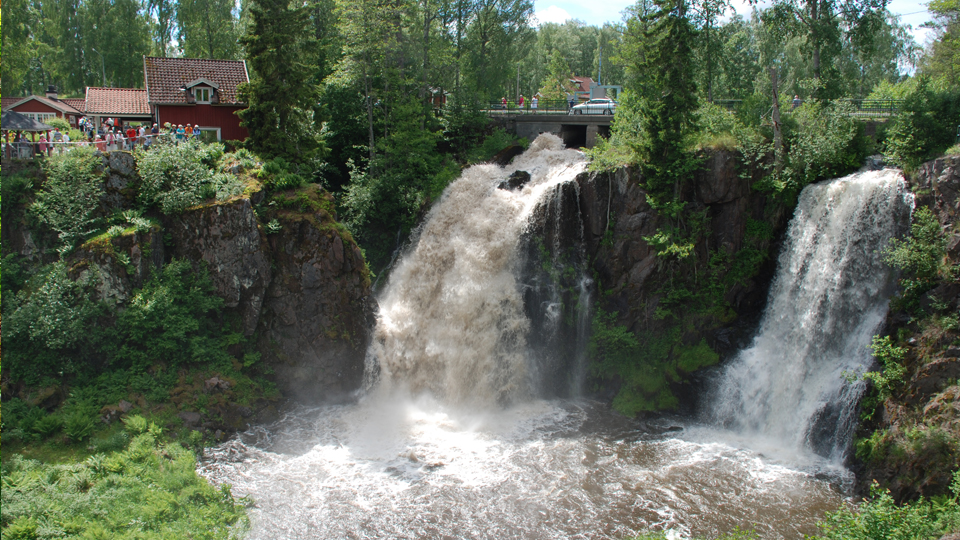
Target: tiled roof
{"points": [[7, 102], [119, 101], [165, 76], [583, 82], [79, 104]]}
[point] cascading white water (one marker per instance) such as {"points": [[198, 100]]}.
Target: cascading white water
{"points": [[451, 440], [452, 318], [828, 299]]}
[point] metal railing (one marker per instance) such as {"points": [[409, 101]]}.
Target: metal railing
{"points": [[861, 108], [544, 106], [33, 149]]}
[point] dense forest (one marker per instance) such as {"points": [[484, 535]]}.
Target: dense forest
{"points": [[347, 92], [363, 112]]}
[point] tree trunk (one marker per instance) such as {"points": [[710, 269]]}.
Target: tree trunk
{"points": [[777, 135]]}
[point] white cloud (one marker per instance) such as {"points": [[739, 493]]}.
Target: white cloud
{"points": [[553, 14]]}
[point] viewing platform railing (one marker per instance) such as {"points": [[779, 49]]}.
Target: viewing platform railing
{"points": [[862, 108], [544, 106]]}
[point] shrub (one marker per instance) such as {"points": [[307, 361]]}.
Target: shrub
{"points": [[58, 123], [48, 327], [277, 176], [71, 195], [646, 365], [171, 319], [492, 144], [879, 518], [890, 357], [79, 425], [828, 142], [920, 257], [176, 176], [925, 127]]}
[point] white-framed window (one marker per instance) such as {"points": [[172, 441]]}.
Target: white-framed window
{"points": [[39, 116], [202, 93], [208, 134]]}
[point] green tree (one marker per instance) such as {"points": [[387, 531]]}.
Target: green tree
{"points": [[823, 25], [163, 15], [668, 100], [557, 80], [16, 45], [119, 31], [208, 29], [942, 61], [281, 95]]}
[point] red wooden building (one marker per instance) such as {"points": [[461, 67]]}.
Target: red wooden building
{"points": [[196, 91], [43, 108]]}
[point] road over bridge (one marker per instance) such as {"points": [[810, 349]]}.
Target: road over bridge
{"points": [[577, 131]]}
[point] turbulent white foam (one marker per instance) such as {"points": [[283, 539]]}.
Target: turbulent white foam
{"points": [[451, 319], [828, 299], [409, 466]]}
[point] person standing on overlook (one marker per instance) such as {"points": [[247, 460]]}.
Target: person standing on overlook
{"points": [[533, 103], [796, 101], [520, 103]]}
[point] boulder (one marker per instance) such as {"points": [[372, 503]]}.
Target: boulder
{"points": [[515, 181]]}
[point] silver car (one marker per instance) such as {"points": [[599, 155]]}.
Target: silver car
{"points": [[595, 106]]}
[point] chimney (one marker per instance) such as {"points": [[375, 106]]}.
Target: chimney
{"points": [[51, 92]]}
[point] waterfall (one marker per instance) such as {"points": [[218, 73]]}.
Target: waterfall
{"points": [[828, 299], [455, 318]]}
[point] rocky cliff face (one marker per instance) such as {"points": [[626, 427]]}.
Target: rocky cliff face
{"points": [[301, 294], [911, 445], [226, 239], [617, 217], [317, 309]]}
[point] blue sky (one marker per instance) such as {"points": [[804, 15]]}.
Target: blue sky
{"points": [[598, 12]]}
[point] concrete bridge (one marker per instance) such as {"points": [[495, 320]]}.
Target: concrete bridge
{"points": [[577, 131]]}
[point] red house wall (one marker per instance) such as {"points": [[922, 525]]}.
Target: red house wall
{"points": [[35, 106], [222, 116]]}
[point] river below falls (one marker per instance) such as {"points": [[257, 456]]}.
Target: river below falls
{"points": [[391, 466]]}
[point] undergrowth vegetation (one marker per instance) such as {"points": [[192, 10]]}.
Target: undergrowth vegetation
{"points": [[910, 423], [145, 489]]}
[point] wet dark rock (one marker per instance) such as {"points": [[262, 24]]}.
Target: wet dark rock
{"points": [[121, 264], [190, 418], [215, 384], [515, 181], [932, 378], [937, 186], [505, 156]]}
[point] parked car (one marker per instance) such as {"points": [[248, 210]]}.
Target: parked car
{"points": [[595, 106]]}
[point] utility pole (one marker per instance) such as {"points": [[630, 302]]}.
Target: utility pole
{"points": [[600, 69], [518, 83], [103, 71]]}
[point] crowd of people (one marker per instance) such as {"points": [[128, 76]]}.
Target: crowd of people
{"points": [[106, 137]]}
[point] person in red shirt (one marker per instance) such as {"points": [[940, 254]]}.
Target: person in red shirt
{"points": [[131, 136]]}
